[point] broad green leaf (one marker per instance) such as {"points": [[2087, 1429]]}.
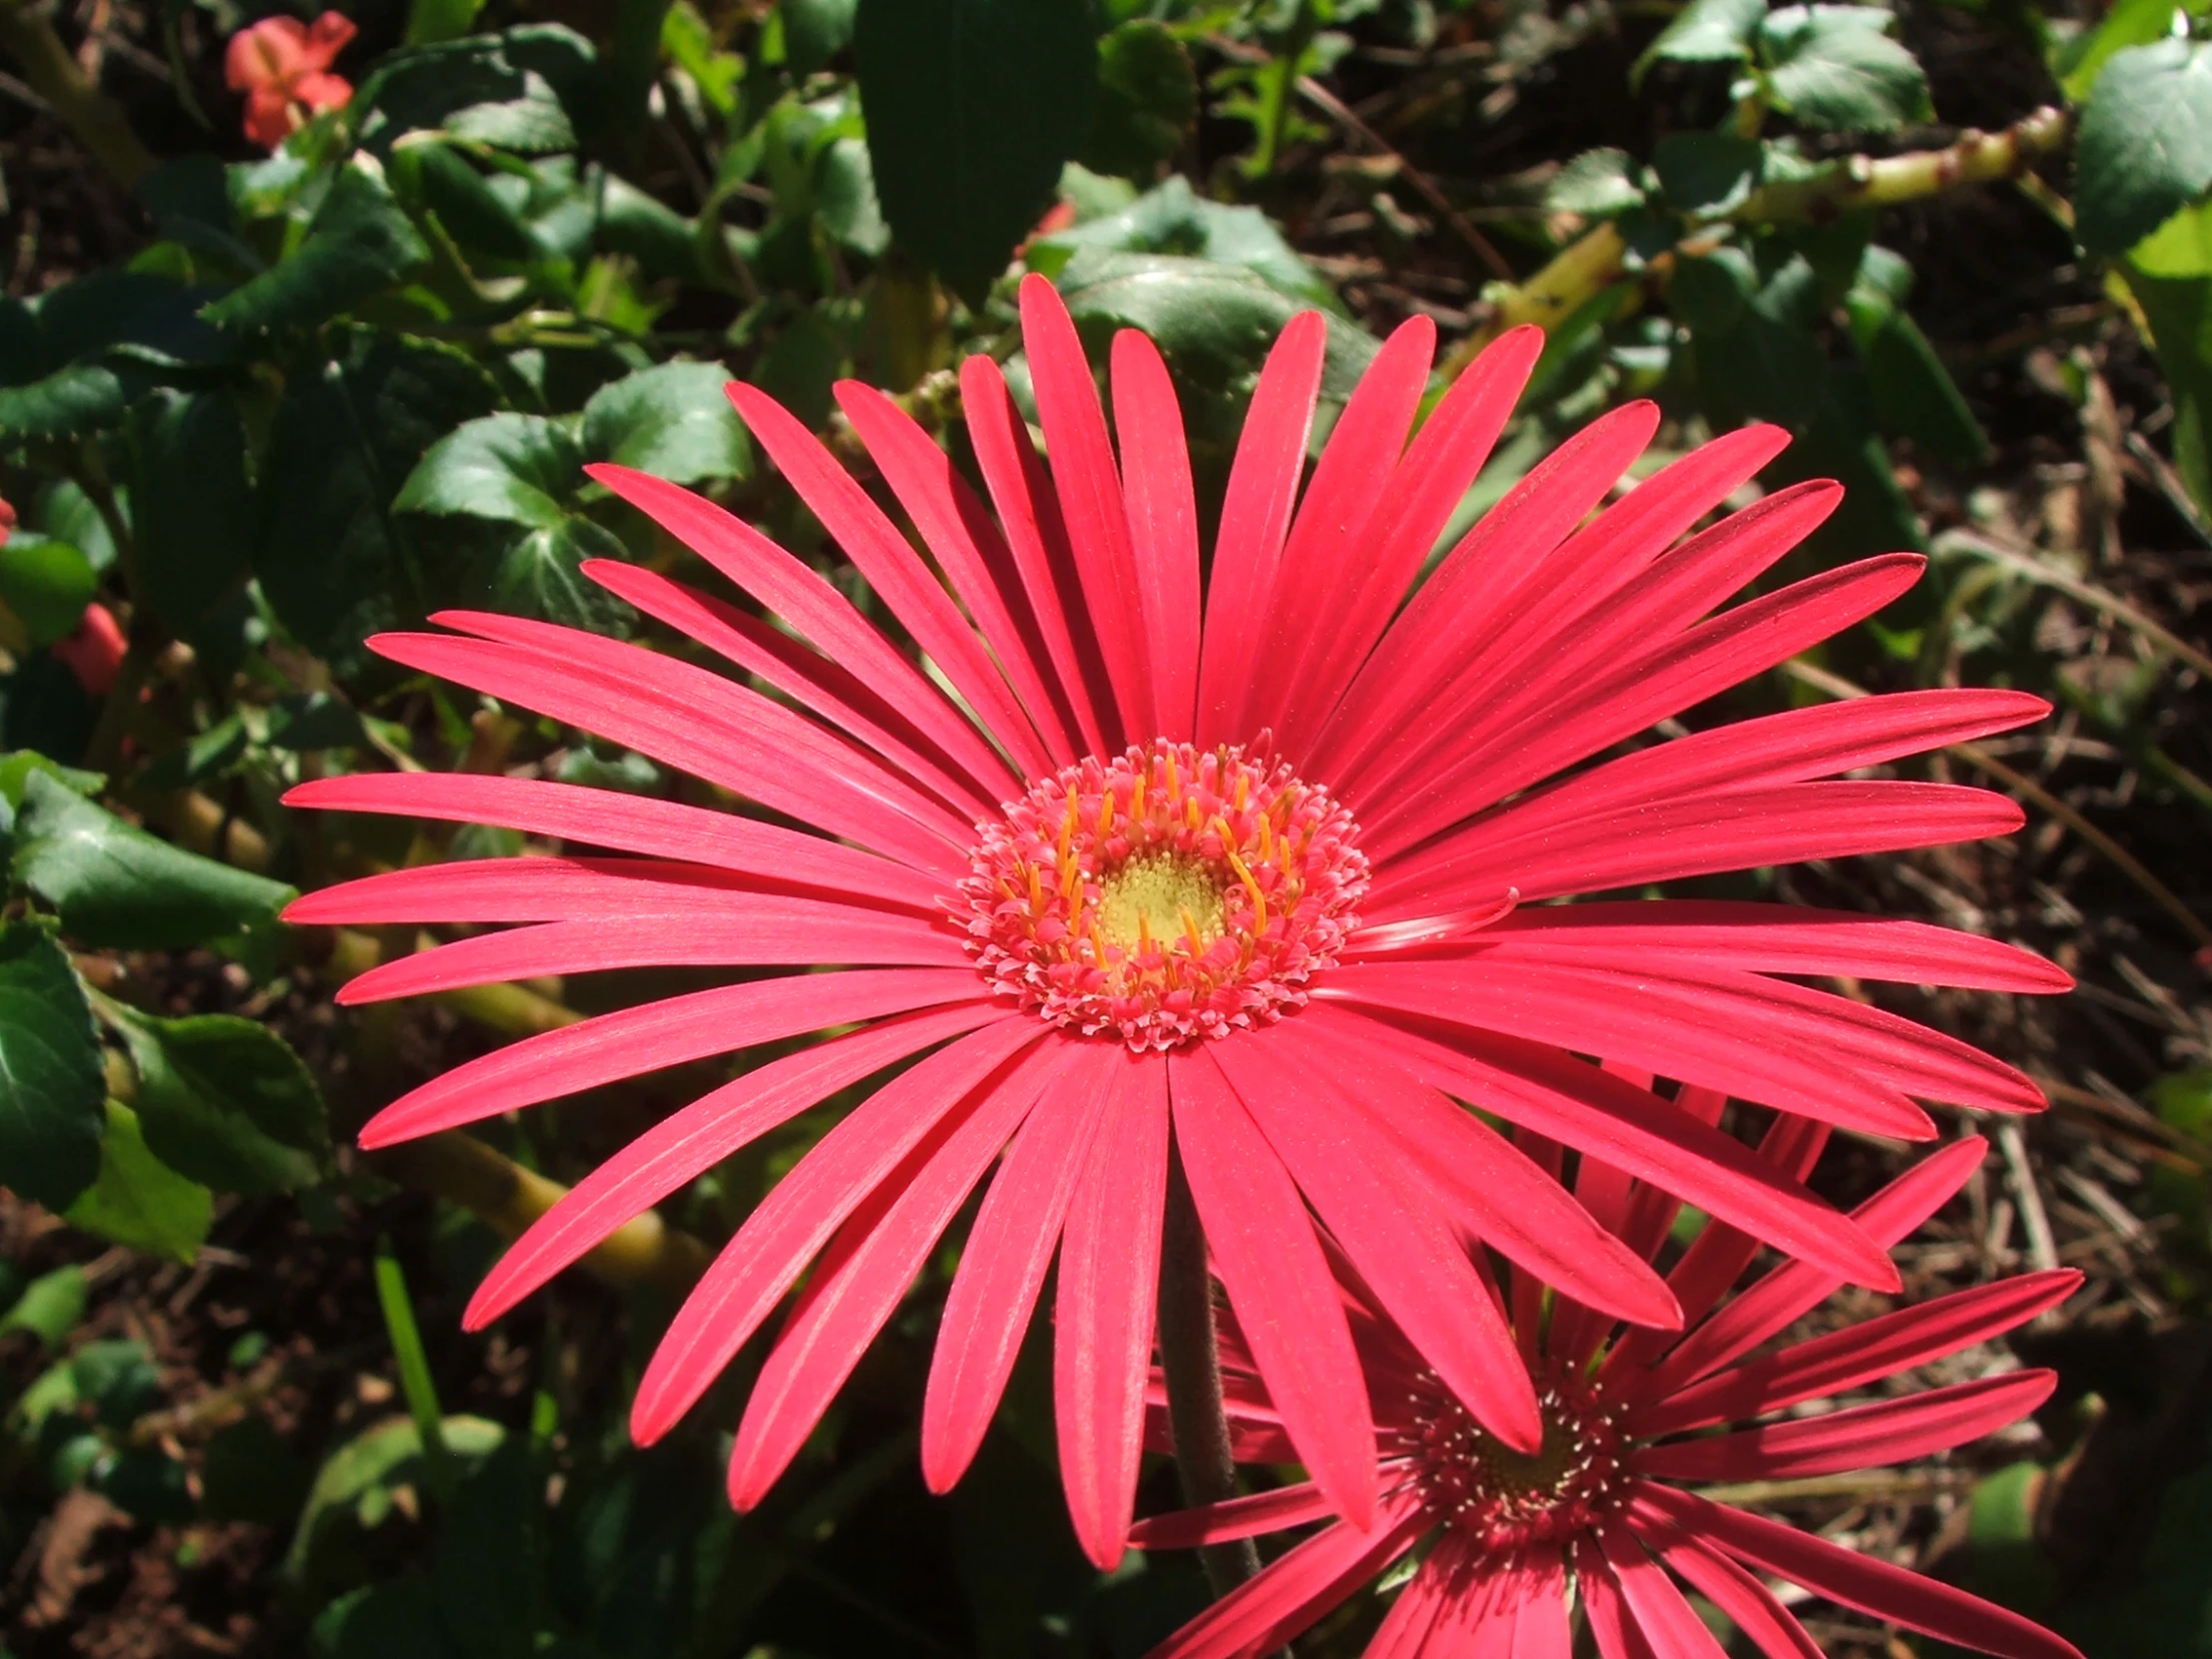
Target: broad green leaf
{"points": [[508, 90], [1705, 30], [360, 243], [432, 21], [16, 769], [1710, 292], [313, 720], [72, 359], [490, 1568], [517, 468], [2129, 23], [2178, 310], [396, 1616], [538, 576], [50, 1306], [83, 398], [138, 1200], [52, 1088], [2145, 148], [844, 198], [352, 1489], [1598, 185], [815, 31], [972, 108], [192, 505], [116, 885], [482, 223], [2184, 1099], [1173, 218], [1913, 394], [1832, 66], [673, 420], [118, 1378], [1147, 101], [227, 1102], [1706, 175], [331, 559], [47, 584]]}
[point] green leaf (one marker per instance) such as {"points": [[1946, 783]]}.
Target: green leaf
{"points": [[430, 21], [510, 91], [2170, 274], [83, 398], [972, 108], [490, 1564], [360, 243], [517, 468], [352, 1489], [1706, 175], [482, 222], [190, 504], [118, 886], [16, 770], [331, 559], [382, 1621], [1598, 185], [846, 203], [1147, 101], [50, 1306], [1913, 394], [2129, 23], [52, 1088], [1705, 30], [1173, 218], [225, 1101], [47, 584], [539, 577], [2145, 149], [815, 31], [138, 1200], [673, 420], [1832, 66]]}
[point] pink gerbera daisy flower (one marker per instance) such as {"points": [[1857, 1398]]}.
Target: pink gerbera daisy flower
{"points": [[1104, 879], [1604, 1505]]}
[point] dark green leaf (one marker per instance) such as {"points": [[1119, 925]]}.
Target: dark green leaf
{"points": [[80, 398], [2170, 274], [815, 31], [539, 577], [146, 1483], [432, 21], [1706, 174], [1913, 394], [516, 469], [47, 584], [489, 1569], [1147, 101], [249, 1472], [227, 1102], [1709, 291], [1705, 30], [138, 1200], [1174, 220], [193, 507], [117, 1377], [482, 223], [674, 421], [352, 1489], [51, 1305], [360, 244], [313, 720], [973, 106], [844, 198], [513, 91], [52, 1088], [119, 887], [16, 769], [2129, 23], [1597, 184], [803, 364], [384, 1621], [1832, 66], [2145, 149]]}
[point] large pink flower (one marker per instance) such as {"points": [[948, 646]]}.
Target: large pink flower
{"points": [[1111, 869], [1628, 1428]]}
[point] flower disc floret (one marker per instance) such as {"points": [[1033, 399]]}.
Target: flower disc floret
{"points": [[1498, 1498], [1165, 895]]}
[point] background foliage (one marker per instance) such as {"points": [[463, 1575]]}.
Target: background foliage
{"points": [[253, 408]]}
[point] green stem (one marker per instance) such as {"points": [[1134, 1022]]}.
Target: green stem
{"points": [[414, 1373]]}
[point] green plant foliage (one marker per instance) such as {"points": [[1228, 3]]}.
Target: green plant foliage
{"points": [[1174, 220], [2146, 143], [49, 1306], [672, 421], [1597, 184], [973, 107], [138, 1200], [1705, 30], [360, 242], [2170, 274], [1834, 67], [1147, 100], [515, 468], [46, 583], [227, 1102], [195, 505], [52, 1117]]}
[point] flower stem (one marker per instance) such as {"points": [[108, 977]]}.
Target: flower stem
{"points": [[1192, 1366]]}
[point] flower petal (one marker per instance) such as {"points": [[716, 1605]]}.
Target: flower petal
{"points": [[1233, 1518], [1163, 527], [1747, 1602], [1659, 1610]]}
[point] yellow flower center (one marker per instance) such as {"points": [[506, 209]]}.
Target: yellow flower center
{"points": [[1167, 897]]}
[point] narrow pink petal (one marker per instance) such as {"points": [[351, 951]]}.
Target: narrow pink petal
{"points": [[697, 1138], [973, 784], [1747, 1602], [671, 1032], [1278, 1282], [1296, 1589], [1439, 1580], [1254, 514], [1558, 1095], [864, 1274], [968, 548], [1393, 1234], [779, 932], [1349, 483], [1091, 506], [798, 1215], [1660, 1024], [1863, 1582], [1233, 1518], [1612, 1624], [1539, 1606], [1771, 1304], [1109, 1283], [602, 817], [1645, 688], [1777, 939], [1859, 1436], [803, 597], [1666, 1619], [1002, 1268], [1037, 542], [893, 568], [1473, 1624], [1861, 1353], [526, 888], [709, 727], [1426, 488], [1431, 643], [1163, 527]]}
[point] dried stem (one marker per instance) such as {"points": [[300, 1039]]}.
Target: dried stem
{"points": [[1192, 1366], [95, 118]]}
